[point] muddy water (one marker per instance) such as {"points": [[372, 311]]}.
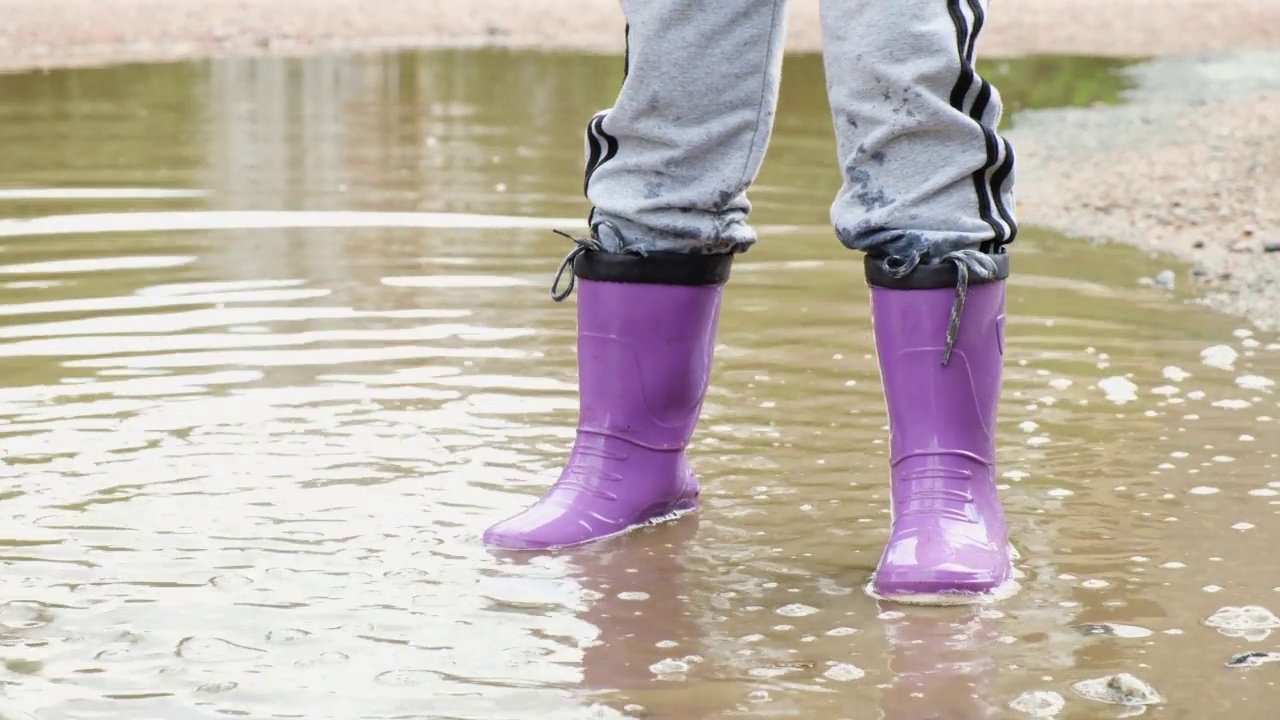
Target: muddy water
{"points": [[277, 347]]}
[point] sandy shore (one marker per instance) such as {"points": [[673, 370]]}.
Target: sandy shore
{"points": [[48, 33], [1191, 165]]}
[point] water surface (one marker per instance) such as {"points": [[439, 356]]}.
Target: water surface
{"points": [[278, 346]]}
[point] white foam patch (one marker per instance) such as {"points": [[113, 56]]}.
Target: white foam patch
{"points": [[1118, 389], [1219, 356], [1255, 382]]}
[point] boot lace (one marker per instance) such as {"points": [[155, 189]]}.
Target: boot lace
{"points": [[582, 245], [966, 260]]}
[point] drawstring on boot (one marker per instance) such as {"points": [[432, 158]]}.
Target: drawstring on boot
{"points": [[581, 245], [966, 260]]}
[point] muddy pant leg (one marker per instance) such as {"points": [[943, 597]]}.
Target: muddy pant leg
{"points": [[925, 172], [669, 164]]}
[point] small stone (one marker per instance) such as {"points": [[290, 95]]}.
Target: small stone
{"points": [[1165, 278], [1272, 246], [1119, 689], [1198, 245], [1252, 659]]}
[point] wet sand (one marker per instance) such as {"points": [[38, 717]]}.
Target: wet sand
{"points": [[1176, 170]]}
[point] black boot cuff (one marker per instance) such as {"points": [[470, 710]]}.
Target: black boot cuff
{"points": [[929, 277], [655, 268]]}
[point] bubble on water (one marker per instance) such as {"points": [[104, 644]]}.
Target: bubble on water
{"points": [[1038, 440], [1039, 703], [1212, 588], [286, 635], [24, 615], [1120, 689], [669, 666], [758, 696], [1173, 373], [1060, 383], [796, 610], [1166, 390], [1016, 475], [1174, 565], [891, 615], [843, 672], [1231, 404], [1178, 454], [1094, 584], [1203, 490], [1254, 382], [1242, 526], [1059, 492], [769, 672], [633, 595], [217, 687], [1140, 559], [1251, 622], [1028, 426], [1116, 630], [231, 581], [1130, 630], [1222, 458], [754, 637], [1119, 390], [1219, 356], [1242, 332], [666, 644], [200, 649], [841, 631], [1264, 492]]}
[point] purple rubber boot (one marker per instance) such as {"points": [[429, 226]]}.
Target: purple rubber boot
{"points": [[646, 331], [940, 351]]}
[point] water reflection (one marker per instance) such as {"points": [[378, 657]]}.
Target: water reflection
{"points": [[264, 388]]}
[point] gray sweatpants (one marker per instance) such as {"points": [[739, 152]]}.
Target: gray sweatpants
{"points": [[925, 172]]}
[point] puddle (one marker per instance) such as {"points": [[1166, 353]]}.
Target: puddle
{"points": [[281, 346]]}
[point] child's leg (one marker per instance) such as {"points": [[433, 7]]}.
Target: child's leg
{"points": [[925, 172], [667, 171], [928, 197], [669, 164]]}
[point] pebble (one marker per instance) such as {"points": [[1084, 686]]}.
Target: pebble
{"points": [[1252, 659]]}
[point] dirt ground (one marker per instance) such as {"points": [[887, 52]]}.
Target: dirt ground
{"points": [[1189, 166]]}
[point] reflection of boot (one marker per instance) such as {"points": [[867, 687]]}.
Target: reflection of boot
{"points": [[646, 330], [941, 385], [645, 628], [942, 665]]}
